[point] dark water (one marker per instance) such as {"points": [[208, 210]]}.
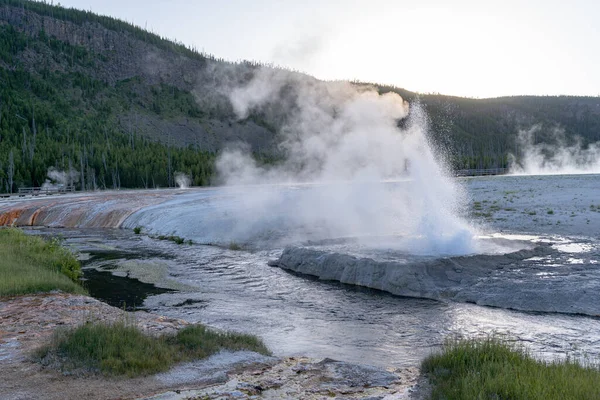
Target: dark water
{"points": [[122, 292], [237, 290]]}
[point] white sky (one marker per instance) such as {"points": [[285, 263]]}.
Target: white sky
{"points": [[482, 48]]}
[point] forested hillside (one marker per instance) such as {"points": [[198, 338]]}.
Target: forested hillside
{"points": [[481, 132], [113, 106], [88, 95]]}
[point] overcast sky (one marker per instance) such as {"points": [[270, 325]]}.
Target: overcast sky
{"points": [[461, 47]]}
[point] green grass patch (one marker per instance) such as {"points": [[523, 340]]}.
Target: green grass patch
{"points": [[550, 212], [234, 246], [493, 369], [122, 349], [197, 341], [172, 238], [30, 264]]}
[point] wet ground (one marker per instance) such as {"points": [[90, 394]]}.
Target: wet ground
{"points": [[298, 315], [232, 287]]}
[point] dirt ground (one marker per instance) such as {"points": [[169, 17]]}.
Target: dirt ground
{"points": [[27, 322]]}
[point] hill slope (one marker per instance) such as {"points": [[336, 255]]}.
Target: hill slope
{"points": [[114, 105]]}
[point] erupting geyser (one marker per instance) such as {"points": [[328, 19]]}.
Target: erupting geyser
{"points": [[182, 180], [346, 141]]}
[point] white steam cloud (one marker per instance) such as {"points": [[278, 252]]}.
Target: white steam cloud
{"points": [[60, 179], [554, 156], [365, 177], [183, 180]]}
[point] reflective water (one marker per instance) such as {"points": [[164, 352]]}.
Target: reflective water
{"points": [[237, 290]]}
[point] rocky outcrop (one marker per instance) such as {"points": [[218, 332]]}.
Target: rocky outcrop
{"points": [[504, 280], [303, 378], [440, 279], [124, 56]]}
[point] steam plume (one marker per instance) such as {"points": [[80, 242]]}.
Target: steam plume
{"points": [[346, 141], [57, 178], [555, 156], [182, 180]]}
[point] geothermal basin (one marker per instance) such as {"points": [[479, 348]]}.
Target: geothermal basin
{"points": [[333, 284]]}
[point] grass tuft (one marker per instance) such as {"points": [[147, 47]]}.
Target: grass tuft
{"points": [[197, 341], [29, 264], [234, 246], [122, 349], [117, 349], [173, 238], [493, 369]]}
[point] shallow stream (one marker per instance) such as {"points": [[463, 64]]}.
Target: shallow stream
{"points": [[295, 314]]}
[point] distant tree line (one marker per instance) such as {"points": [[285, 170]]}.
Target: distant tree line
{"points": [[480, 133]]}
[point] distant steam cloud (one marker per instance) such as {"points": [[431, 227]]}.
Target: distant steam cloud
{"points": [[59, 179], [345, 141], [183, 180], [554, 156], [304, 47]]}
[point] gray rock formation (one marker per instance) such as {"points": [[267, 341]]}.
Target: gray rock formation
{"points": [[507, 280], [289, 378]]}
